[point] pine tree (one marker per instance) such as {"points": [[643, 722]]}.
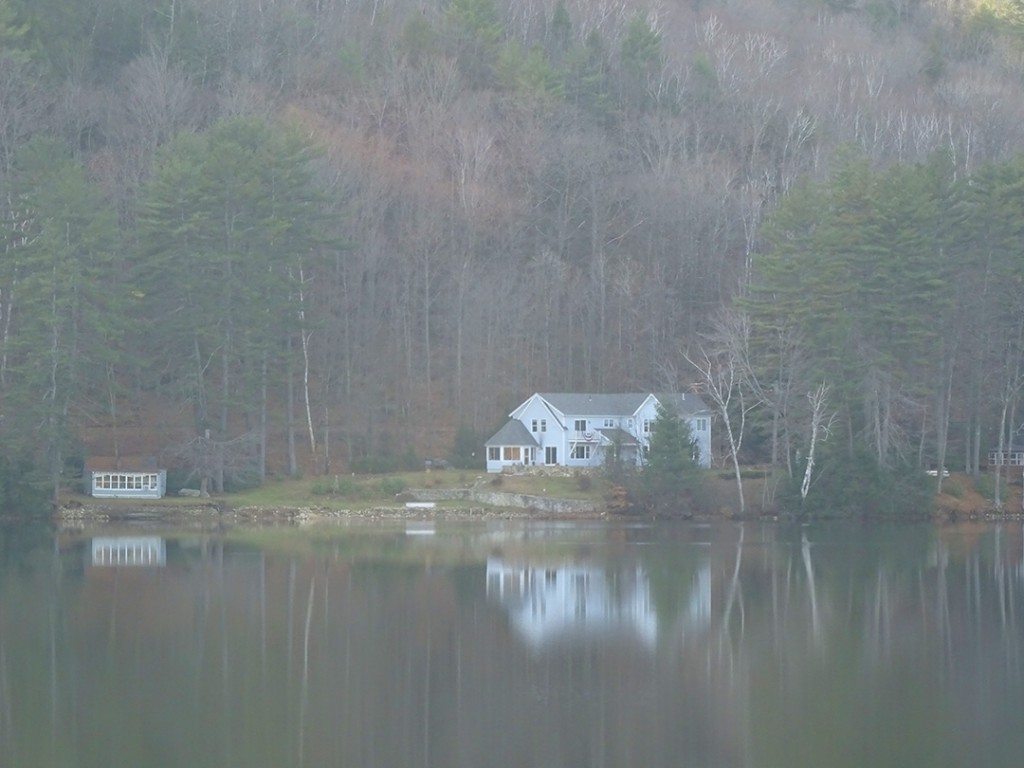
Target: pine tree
{"points": [[231, 227], [671, 475], [67, 281]]}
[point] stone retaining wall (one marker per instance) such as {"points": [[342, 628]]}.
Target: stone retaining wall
{"points": [[545, 504]]}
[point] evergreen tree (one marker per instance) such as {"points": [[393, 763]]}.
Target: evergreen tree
{"points": [[65, 277], [230, 229], [671, 476]]}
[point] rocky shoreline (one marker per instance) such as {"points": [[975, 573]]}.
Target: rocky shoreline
{"points": [[218, 514]]}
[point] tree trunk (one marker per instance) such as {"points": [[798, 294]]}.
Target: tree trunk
{"points": [[263, 419], [942, 423], [293, 465]]}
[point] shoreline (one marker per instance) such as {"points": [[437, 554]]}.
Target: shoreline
{"points": [[219, 513]]}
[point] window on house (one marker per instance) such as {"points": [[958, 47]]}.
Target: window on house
{"points": [[647, 426], [551, 455], [543, 425], [533, 425], [580, 452], [493, 453], [512, 453], [609, 423], [580, 425], [702, 425]]}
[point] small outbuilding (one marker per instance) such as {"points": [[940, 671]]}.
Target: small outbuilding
{"points": [[124, 477]]}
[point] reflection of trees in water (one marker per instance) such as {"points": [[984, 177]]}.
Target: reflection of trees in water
{"points": [[243, 657]]}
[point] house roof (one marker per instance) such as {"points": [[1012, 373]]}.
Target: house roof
{"points": [[621, 404], [616, 435], [513, 433], [122, 464], [685, 403], [588, 404]]}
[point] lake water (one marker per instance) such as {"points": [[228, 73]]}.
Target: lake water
{"points": [[527, 644]]}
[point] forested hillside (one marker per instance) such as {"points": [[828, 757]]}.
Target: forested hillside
{"points": [[329, 229]]}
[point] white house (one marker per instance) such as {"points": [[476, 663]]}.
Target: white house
{"points": [[581, 430]]}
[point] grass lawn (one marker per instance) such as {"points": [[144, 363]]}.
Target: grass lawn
{"points": [[361, 491]]}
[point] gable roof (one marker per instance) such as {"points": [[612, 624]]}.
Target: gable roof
{"points": [[616, 435], [685, 403], [513, 433], [588, 404]]}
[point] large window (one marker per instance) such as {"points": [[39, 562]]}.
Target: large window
{"points": [[580, 425], [513, 453], [551, 455], [493, 453], [124, 481], [580, 452]]}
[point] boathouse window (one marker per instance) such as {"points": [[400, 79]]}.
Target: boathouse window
{"points": [[126, 482]]}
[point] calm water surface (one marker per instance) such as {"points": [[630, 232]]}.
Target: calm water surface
{"points": [[515, 645]]}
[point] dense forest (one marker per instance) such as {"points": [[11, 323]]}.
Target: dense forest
{"points": [[302, 233]]}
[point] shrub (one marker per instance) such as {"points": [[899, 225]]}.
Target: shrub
{"points": [[374, 465], [468, 450], [856, 484], [321, 488], [953, 488], [391, 486], [341, 486], [584, 482], [497, 481], [409, 461], [986, 485]]}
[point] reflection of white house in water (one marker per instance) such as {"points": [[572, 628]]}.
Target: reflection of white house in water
{"points": [[550, 602], [129, 551]]}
